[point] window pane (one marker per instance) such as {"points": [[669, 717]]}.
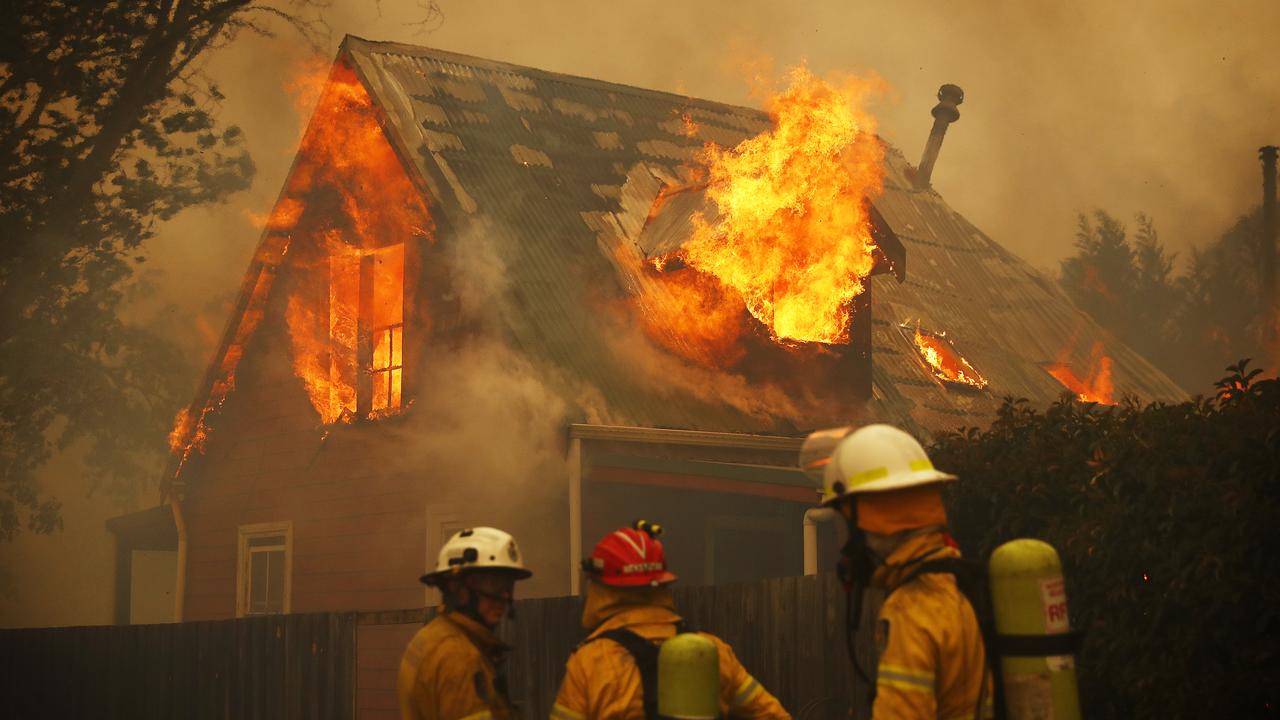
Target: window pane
{"points": [[382, 349], [258, 570], [381, 389], [395, 377], [275, 582], [266, 581]]}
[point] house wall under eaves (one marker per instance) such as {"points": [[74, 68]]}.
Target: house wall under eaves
{"points": [[360, 510]]}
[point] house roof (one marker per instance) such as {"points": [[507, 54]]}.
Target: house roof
{"points": [[562, 171]]}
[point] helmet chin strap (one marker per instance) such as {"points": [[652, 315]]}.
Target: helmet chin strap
{"points": [[854, 570], [471, 608]]}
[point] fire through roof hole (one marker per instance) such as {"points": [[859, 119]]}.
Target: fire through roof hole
{"points": [[944, 361], [1095, 386]]}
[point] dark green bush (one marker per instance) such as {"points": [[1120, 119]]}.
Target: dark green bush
{"points": [[1167, 518]]}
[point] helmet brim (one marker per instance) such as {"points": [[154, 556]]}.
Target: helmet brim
{"points": [[647, 580], [434, 578], [915, 479]]}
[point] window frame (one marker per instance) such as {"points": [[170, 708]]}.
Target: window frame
{"points": [[244, 556], [383, 377]]}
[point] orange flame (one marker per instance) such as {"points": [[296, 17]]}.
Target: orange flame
{"points": [[1096, 386], [181, 428], [792, 241], [793, 237], [945, 362], [354, 210]]}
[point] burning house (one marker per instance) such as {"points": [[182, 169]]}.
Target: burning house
{"points": [[490, 294]]}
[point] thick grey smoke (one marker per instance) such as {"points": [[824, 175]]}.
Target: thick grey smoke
{"points": [[487, 424]]}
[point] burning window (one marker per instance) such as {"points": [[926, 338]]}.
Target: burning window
{"points": [[365, 333], [387, 368], [356, 217], [944, 362]]}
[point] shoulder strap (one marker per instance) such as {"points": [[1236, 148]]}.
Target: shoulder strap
{"points": [[645, 655]]}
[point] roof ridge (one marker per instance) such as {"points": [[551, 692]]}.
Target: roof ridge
{"points": [[356, 43]]}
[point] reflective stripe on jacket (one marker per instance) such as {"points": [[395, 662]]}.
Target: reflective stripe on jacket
{"points": [[602, 681], [932, 663], [448, 672]]}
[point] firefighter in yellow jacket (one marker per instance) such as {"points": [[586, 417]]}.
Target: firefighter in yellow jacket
{"points": [[930, 661], [628, 597], [453, 667]]}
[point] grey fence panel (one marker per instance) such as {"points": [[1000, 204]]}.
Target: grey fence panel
{"points": [[248, 668]]}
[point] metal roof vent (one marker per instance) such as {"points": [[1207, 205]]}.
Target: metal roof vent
{"points": [[944, 113]]}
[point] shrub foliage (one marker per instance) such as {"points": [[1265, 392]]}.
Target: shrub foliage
{"points": [[1167, 518]]}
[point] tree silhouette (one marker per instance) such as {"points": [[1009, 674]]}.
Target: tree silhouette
{"points": [[107, 127]]}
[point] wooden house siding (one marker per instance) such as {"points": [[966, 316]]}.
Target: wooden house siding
{"points": [[358, 527]]}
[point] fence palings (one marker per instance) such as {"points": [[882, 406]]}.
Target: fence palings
{"points": [[296, 666], [788, 632]]}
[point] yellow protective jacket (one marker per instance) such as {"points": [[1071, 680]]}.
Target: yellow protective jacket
{"points": [[931, 653], [601, 680], [448, 672]]}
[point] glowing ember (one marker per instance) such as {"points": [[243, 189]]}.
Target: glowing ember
{"points": [[1096, 386], [793, 237], [945, 362], [353, 208]]}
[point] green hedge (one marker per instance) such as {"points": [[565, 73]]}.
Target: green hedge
{"points": [[1167, 518]]}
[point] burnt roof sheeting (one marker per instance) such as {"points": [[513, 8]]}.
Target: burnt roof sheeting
{"points": [[542, 161]]}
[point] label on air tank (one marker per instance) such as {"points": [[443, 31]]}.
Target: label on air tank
{"points": [[1053, 597], [1029, 696]]}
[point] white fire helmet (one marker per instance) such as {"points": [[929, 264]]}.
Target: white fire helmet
{"points": [[873, 458], [478, 548]]}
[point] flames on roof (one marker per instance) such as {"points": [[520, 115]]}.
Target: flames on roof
{"points": [[943, 360], [788, 241], [1096, 385]]}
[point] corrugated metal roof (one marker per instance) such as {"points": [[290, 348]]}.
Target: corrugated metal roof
{"points": [[544, 159]]}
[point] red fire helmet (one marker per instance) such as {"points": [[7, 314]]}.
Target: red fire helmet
{"points": [[630, 557]]}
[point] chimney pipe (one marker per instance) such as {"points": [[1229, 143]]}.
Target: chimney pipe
{"points": [[1267, 290], [944, 113]]}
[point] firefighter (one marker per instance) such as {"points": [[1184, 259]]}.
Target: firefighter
{"points": [[629, 600], [930, 657], [453, 667]]}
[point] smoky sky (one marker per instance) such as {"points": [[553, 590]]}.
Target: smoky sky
{"points": [[1156, 106]]}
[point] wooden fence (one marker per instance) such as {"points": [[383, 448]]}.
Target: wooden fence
{"points": [[294, 666], [788, 632]]}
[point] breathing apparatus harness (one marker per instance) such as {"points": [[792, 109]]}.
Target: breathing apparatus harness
{"points": [[858, 563]]}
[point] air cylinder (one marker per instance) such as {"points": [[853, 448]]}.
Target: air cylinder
{"points": [[688, 678], [1035, 644]]}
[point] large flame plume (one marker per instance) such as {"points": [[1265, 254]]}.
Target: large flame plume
{"points": [[354, 211], [793, 236], [1096, 385]]}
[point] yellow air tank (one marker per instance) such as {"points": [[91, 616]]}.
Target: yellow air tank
{"points": [[688, 678], [1036, 652]]}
